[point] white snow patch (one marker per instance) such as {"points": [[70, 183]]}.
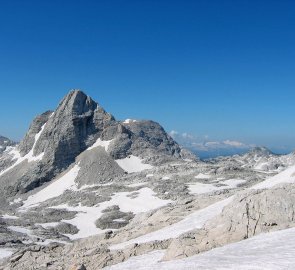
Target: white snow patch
{"points": [[286, 176], [193, 221], [29, 156], [132, 164], [85, 219], [15, 201], [99, 142], [12, 150], [202, 176], [6, 216], [55, 189], [119, 220], [201, 188], [94, 185], [166, 178], [149, 175], [233, 183], [20, 230], [137, 184], [6, 252]]}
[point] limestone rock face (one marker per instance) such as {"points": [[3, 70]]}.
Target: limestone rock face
{"points": [[145, 139], [250, 213], [76, 124], [113, 218], [27, 143]]}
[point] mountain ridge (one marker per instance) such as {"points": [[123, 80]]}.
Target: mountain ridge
{"points": [[56, 138]]}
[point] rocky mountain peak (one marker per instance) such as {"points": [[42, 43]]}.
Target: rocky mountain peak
{"points": [[57, 139], [77, 103], [75, 125]]}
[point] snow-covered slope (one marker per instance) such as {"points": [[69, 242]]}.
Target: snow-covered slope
{"points": [[286, 176], [272, 251]]}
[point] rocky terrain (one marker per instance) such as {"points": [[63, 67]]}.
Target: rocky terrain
{"points": [[4, 143], [83, 190]]}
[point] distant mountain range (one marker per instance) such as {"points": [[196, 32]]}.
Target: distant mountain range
{"points": [[210, 149], [5, 142]]}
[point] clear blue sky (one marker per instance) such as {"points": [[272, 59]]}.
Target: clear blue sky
{"points": [[225, 69]]}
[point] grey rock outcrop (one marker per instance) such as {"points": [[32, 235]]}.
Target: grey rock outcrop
{"points": [[66, 228], [145, 139], [27, 143], [113, 218], [250, 213]]}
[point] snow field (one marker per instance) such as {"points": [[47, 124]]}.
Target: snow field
{"points": [[193, 221], [271, 251], [85, 219], [132, 164]]}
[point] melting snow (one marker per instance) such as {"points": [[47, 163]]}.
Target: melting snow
{"points": [[272, 251], [85, 219], [99, 142], [20, 230], [6, 252], [202, 176], [29, 156], [132, 164], [200, 188], [233, 183], [15, 201], [6, 216], [55, 189], [193, 221], [137, 184], [286, 176], [119, 220]]}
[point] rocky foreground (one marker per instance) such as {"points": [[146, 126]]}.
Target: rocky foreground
{"points": [[86, 191]]}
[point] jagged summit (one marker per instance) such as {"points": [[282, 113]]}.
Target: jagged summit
{"points": [[77, 102], [55, 139], [75, 125]]}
